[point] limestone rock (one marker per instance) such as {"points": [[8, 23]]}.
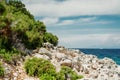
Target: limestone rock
{"points": [[89, 66], [41, 56], [60, 56], [45, 51], [66, 62]]}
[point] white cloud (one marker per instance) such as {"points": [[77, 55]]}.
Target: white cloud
{"points": [[50, 20], [91, 40], [81, 21], [88, 19], [53, 8], [67, 22], [78, 21]]}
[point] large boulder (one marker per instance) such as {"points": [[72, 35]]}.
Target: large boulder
{"points": [[66, 62], [48, 45], [44, 51], [42, 56], [60, 56]]}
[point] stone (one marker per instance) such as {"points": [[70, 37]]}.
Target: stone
{"points": [[15, 78], [31, 78], [15, 74], [94, 66], [35, 51], [48, 45], [41, 56], [89, 66], [6, 79], [94, 75], [60, 56], [66, 62], [45, 51], [86, 71]]}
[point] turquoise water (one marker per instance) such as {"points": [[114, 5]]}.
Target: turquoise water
{"points": [[101, 53]]}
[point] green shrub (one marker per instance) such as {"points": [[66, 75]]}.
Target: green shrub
{"points": [[39, 67], [2, 9], [8, 55], [21, 23], [46, 71], [1, 70], [67, 71], [49, 37], [47, 77]]}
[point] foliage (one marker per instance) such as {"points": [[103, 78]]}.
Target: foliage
{"points": [[8, 56], [1, 70], [18, 21], [47, 77], [31, 32], [19, 6], [67, 71], [46, 71], [2, 9], [50, 38], [39, 67], [5, 43]]}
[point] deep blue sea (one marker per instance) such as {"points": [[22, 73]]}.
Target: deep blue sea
{"points": [[101, 53]]}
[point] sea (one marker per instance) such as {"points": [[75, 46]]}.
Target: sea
{"points": [[101, 53]]}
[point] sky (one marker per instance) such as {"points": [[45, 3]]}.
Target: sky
{"points": [[80, 23]]}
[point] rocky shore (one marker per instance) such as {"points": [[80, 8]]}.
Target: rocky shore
{"points": [[89, 66]]}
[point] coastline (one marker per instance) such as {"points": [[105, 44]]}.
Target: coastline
{"points": [[89, 66], [101, 53]]}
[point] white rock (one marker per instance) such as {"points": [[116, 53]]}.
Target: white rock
{"points": [[66, 62], [15, 78], [60, 55], [15, 74], [6, 79], [31, 78], [93, 75], [118, 68], [41, 56], [94, 66], [43, 50]]}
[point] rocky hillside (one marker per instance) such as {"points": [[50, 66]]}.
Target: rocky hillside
{"points": [[89, 66], [20, 33]]}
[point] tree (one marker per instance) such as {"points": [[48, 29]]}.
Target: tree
{"points": [[2, 9], [49, 37]]}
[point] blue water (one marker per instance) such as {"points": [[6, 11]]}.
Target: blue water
{"points": [[101, 53]]}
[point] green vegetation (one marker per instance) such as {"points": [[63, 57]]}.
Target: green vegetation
{"points": [[1, 70], [45, 70], [50, 38], [16, 23], [67, 72], [16, 19], [2, 9], [41, 68], [47, 77], [9, 56]]}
